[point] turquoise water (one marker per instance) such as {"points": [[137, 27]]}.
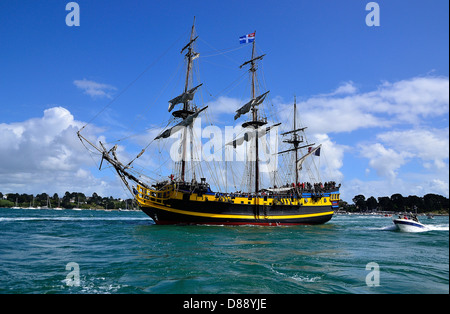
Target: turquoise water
{"points": [[124, 252]]}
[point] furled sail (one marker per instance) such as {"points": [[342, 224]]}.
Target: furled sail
{"points": [[186, 122], [278, 190], [315, 151], [248, 135], [189, 95], [246, 108]]}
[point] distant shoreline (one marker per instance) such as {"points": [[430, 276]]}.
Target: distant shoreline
{"points": [[432, 204], [393, 213], [338, 212]]}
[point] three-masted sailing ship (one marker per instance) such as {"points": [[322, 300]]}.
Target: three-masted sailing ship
{"points": [[183, 200]]}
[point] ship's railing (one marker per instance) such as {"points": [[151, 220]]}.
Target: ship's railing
{"points": [[147, 196], [156, 196], [277, 199]]}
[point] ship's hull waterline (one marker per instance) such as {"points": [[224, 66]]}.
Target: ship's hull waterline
{"points": [[172, 216]]}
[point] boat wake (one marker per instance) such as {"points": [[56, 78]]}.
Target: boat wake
{"points": [[425, 229], [388, 228], [442, 227]]}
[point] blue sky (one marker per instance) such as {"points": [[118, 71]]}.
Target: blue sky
{"points": [[376, 96]]}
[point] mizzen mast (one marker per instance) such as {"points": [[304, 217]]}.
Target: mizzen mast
{"points": [[296, 140]]}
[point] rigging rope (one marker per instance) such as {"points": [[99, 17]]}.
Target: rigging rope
{"points": [[224, 51], [134, 81], [224, 54]]}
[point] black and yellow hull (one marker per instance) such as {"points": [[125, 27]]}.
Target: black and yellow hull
{"points": [[178, 207], [237, 215]]}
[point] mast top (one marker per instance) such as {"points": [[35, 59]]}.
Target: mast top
{"points": [[252, 61], [255, 122], [188, 93]]}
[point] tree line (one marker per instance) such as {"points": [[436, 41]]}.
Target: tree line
{"points": [[69, 200], [396, 202]]}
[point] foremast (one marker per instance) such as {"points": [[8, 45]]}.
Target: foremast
{"points": [[189, 111], [187, 114], [190, 55]]}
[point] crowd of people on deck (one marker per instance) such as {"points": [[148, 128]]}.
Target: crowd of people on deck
{"points": [[308, 187], [290, 189]]}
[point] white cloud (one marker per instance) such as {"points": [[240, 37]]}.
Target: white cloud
{"points": [[385, 161], [428, 145], [45, 152], [45, 155], [421, 185], [397, 157], [345, 88], [94, 89], [406, 101], [347, 110], [333, 153], [417, 97], [388, 126], [223, 105], [393, 118]]}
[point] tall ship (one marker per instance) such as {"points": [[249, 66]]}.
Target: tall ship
{"points": [[186, 197]]}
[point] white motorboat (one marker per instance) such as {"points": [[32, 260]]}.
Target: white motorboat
{"points": [[409, 223]]}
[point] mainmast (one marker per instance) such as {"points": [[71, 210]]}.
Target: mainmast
{"points": [[252, 105], [296, 141], [253, 70]]}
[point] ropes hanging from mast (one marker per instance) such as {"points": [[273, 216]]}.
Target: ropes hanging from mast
{"points": [[132, 82], [184, 118]]}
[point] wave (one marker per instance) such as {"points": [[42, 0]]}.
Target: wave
{"points": [[305, 278], [99, 285], [443, 227], [432, 228], [296, 277], [387, 228]]}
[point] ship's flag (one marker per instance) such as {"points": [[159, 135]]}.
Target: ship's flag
{"points": [[247, 38], [317, 153]]}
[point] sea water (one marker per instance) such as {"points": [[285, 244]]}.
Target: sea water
{"points": [[43, 250]]}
